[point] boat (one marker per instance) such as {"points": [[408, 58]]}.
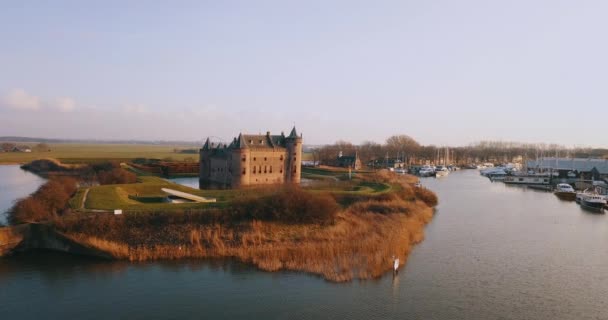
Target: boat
{"points": [[426, 171], [565, 191], [401, 170], [528, 179], [441, 171], [592, 201], [541, 187]]}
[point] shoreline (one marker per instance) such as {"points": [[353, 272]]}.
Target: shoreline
{"points": [[340, 232], [361, 249]]}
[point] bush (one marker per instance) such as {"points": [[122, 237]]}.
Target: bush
{"points": [[104, 166], [116, 176], [427, 196], [290, 205], [27, 210], [48, 201]]}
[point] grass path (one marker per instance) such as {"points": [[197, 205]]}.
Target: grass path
{"points": [[84, 199]]}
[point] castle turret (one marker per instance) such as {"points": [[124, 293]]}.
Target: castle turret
{"points": [[204, 163], [293, 144], [240, 163]]}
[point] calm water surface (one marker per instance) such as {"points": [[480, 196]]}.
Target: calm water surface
{"points": [[491, 252], [15, 184]]}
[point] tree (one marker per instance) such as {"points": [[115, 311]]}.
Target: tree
{"points": [[370, 150], [402, 145], [42, 147], [8, 146]]}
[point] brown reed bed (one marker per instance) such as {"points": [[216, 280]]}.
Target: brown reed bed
{"points": [[359, 243]]}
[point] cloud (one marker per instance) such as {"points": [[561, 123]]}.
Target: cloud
{"points": [[65, 104], [20, 100]]}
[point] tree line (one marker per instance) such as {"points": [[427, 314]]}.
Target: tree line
{"points": [[411, 152]]}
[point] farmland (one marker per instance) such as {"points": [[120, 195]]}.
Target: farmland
{"points": [[84, 153]]}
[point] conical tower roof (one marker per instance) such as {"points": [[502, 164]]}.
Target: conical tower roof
{"points": [[206, 145], [294, 133]]}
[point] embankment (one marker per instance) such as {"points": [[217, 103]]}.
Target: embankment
{"points": [[42, 236]]}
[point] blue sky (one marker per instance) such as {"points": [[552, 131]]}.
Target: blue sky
{"points": [[444, 72]]}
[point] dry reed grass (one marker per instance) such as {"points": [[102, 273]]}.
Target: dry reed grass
{"points": [[359, 244]]}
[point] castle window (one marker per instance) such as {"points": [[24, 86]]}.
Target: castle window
{"points": [[281, 157], [261, 141], [244, 158], [264, 169], [244, 171], [254, 158], [265, 159], [281, 171], [250, 141], [253, 170]]}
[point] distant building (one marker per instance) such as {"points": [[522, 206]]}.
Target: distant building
{"points": [[22, 149], [588, 168], [251, 160], [387, 163], [352, 162]]}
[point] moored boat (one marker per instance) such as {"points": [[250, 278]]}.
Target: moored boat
{"points": [[593, 201], [528, 180], [565, 191], [426, 171], [441, 171]]}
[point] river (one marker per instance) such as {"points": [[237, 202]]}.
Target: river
{"points": [[14, 184], [491, 252]]}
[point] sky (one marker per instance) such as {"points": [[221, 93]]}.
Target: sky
{"points": [[443, 72]]}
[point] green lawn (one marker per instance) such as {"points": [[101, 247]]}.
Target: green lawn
{"points": [[76, 200], [110, 197], [145, 194], [82, 153]]}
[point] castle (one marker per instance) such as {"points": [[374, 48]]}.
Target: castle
{"points": [[251, 160]]}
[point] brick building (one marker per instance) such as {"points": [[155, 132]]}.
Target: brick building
{"points": [[251, 160]]}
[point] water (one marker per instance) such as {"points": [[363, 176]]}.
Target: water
{"points": [[191, 182], [15, 184], [491, 252]]}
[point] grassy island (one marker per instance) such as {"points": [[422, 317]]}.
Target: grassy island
{"points": [[336, 225]]}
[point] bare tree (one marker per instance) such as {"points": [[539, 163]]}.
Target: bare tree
{"points": [[42, 147]]}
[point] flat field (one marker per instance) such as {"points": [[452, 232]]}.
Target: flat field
{"points": [[82, 153]]}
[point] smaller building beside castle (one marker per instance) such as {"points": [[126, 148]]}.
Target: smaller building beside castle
{"points": [[251, 160]]}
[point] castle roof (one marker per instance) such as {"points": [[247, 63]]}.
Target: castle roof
{"points": [[254, 141], [294, 133]]}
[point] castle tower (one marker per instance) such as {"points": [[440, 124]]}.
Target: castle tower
{"points": [[241, 163], [293, 167], [205, 163]]}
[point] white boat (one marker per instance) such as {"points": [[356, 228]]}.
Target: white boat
{"points": [[498, 176], [401, 170], [592, 201], [565, 191], [426, 171], [493, 171], [441, 171]]}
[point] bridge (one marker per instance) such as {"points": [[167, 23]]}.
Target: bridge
{"points": [[187, 196]]}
